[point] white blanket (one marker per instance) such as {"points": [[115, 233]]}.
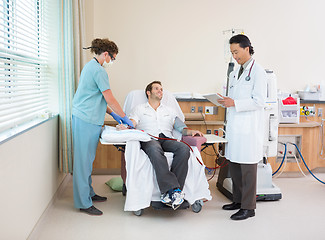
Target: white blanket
{"points": [[112, 135], [141, 183]]}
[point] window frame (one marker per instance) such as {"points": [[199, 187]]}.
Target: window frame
{"points": [[23, 66]]}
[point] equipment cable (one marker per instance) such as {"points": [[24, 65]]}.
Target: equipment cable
{"points": [[306, 164], [285, 151], [299, 165], [284, 167], [284, 155]]}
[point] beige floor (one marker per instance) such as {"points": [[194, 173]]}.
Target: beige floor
{"points": [[299, 215]]}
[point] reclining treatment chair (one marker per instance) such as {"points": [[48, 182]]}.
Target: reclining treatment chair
{"points": [[139, 177]]}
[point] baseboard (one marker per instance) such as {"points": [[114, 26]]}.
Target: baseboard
{"points": [[59, 191]]}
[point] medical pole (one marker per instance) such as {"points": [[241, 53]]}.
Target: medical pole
{"points": [[224, 171], [231, 66]]}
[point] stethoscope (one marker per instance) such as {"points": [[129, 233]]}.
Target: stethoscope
{"points": [[248, 77]]}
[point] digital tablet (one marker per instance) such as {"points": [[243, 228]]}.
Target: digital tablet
{"points": [[213, 97]]}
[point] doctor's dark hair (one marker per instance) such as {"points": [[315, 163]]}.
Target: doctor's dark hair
{"points": [[149, 86], [243, 42], [100, 45]]}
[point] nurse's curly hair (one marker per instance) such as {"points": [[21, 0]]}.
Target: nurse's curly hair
{"points": [[243, 42], [100, 45]]}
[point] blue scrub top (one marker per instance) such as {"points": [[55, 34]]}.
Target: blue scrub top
{"points": [[89, 103]]}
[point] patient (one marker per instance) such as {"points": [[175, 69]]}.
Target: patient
{"points": [[157, 119]]}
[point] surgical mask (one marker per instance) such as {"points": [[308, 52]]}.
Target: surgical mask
{"points": [[106, 64]]}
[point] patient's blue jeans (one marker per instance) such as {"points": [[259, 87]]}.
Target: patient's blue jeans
{"points": [[175, 178]]}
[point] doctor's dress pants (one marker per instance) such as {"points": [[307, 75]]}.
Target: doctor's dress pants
{"points": [[244, 178], [85, 141]]}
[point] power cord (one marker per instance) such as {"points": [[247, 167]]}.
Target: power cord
{"points": [[306, 164], [284, 155], [284, 167], [299, 165], [283, 159]]}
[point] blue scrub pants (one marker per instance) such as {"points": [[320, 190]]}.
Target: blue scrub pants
{"points": [[85, 141]]}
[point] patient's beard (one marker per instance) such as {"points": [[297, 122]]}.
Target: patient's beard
{"points": [[158, 98], [155, 97]]}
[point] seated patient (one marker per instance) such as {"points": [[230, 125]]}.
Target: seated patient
{"points": [[159, 120]]}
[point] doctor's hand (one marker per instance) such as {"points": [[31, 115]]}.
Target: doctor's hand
{"points": [[227, 102]]}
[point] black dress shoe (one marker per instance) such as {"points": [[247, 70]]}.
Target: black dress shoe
{"points": [[243, 214], [97, 198], [232, 206], [92, 211]]}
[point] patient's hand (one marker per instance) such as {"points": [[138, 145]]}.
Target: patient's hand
{"points": [[196, 133], [121, 127]]}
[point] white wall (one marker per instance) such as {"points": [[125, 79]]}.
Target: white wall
{"points": [[29, 178], [181, 42]]}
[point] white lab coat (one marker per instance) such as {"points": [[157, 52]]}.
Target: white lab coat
{"points": [[245, 121]]}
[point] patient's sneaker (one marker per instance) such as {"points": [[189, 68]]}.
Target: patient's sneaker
{"points": [[166, 199], [177, 198]]}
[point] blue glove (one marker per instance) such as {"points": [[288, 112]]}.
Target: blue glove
{"points": [[127, 121], [116, 117]]}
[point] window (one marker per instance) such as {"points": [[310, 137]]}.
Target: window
{"points": [[24, 81]]}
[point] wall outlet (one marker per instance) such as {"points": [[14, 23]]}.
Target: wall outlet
{"points": [[200, 109], [319, 112], [208, 110], [296, 139], [192, 109]]}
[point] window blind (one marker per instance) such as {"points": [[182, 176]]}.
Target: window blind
{"points": [[24, 81]]}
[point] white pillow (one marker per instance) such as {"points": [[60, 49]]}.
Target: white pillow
{"points": [[111, 135]]}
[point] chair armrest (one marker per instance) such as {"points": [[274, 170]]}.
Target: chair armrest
{"points": [[194, 141]]}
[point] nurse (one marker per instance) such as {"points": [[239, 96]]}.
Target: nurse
{"points": [[92, 100], [245, 126]]}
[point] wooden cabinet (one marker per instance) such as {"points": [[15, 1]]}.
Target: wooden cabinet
{"points": [[309, 129], [309, 132], [107, 157]]}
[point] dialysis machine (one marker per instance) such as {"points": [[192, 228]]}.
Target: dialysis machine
{"points": [[265, 189]]}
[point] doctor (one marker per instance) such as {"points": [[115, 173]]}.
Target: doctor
{"points": [[245, 126]]}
